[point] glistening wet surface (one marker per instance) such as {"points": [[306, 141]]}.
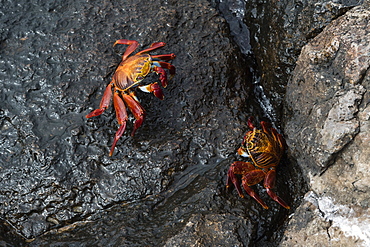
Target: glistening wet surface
{"points": [[57, 182]]}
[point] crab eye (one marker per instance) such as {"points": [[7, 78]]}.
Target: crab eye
{"points": [[250, 145]]}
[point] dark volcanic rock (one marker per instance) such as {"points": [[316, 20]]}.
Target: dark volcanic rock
{"points": [[57, 58], [57, 182], [163, 186]]}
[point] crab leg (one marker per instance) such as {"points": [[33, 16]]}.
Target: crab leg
{"points": [[165, 57], [279, 138], [121, 115], [269, 184], [252, 178], [266, 127], [250, 123], [133, 44], [136, 109], [153, 88], [152, 47], [238, 167], [104, 103]]}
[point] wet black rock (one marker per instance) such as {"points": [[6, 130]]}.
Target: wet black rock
{"points": [[57, 182]]}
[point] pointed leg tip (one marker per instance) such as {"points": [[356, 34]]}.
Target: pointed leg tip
{"points": [[91, 114], [111, 151], [112, 148], [95, 113], [133, 133]]}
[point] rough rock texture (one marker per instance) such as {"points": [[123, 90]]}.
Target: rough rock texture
{"points": [[55, 165], [57, 183], [279, 30], [213, 230], [166, 185], [328, 132]]}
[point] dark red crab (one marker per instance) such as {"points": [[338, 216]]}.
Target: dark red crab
{"points": [[265, 148], [128, 76]]}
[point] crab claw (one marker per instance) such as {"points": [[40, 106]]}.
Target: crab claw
{"points": [[153, 88], [162, 75], [168, 66]]}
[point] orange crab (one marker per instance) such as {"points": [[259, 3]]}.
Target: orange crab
{"points": [[265, 148], [128, 76]]}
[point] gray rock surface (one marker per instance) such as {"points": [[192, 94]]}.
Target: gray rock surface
{"points": [[213, 230], [279, 30], [328, 132]]}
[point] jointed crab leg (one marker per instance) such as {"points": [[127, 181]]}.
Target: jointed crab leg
{"points": [[236, 168], [104, 103], [133, 44], [166, 57], [266, 127], [250, 123], [136, 109], [152, 47], [269, 184], [279, 138], [121, 115], [251, 177], [253, 194]]}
